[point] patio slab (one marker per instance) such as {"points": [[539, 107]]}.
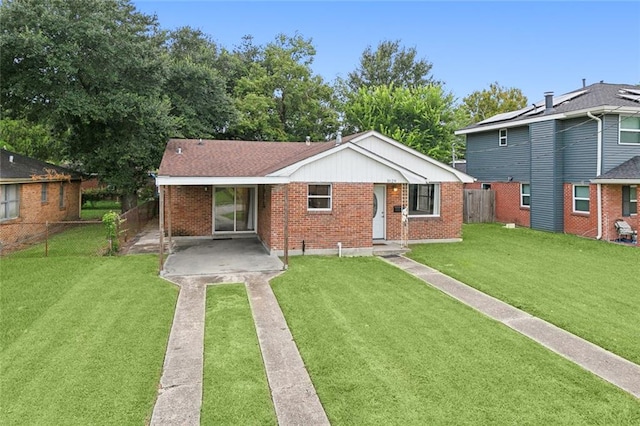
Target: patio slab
{"points": [[206, 256]]}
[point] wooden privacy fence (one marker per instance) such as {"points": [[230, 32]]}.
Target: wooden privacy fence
{"points": [[479, 206]]}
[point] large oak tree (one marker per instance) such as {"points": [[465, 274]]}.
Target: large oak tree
{"points": [[94, 70]]}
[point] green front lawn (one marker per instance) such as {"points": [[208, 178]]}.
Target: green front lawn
{"points": [[590, 288], [235, 389], [82, 339], [382, 347]]}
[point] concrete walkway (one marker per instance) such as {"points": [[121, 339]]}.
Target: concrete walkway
{"points": [[180, 394], [612, 368]]}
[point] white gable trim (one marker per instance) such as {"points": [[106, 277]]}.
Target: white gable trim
{"points": [[463, 177], [409, 176]]}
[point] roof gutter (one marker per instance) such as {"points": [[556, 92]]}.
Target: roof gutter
{"points": [[598, 172]]}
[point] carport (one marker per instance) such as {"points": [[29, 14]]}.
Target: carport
{"points": [[210, 256]]}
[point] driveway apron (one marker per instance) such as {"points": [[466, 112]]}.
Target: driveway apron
{"points": [[180, 394]]}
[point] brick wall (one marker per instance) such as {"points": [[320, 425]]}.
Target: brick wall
{"points": [[508, 209], [583, 224], [348, 222], [448, 225], [190, 210], [612, 210], [34, 211]]}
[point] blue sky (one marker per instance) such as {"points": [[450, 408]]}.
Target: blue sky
{"points": [[533, 46]]}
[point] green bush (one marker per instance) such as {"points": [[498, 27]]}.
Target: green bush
{"points": [[93, 195], [112, 222]]}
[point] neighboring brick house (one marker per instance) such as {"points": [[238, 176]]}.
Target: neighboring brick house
{"points": [[315, 195], [566, 164], [32, 193]]}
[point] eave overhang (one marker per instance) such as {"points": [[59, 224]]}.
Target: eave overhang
{"points": [[606, 109], [218, 180]]}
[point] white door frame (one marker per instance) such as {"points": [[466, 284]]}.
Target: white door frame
{"points": [[255, 209], [381, 213]]}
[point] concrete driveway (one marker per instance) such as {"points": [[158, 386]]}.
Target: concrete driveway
{"points": [[197, 256]]}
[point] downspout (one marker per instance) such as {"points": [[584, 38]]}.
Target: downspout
{"points": [[598, 173]]}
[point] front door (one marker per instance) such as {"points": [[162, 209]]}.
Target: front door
{"points": [[379, 206]]}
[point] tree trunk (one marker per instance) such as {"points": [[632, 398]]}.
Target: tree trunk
{"points": [[128, 201]]}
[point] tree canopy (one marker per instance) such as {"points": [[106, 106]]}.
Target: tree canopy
{"points": [[195, 87], [93, 70], [389, 64], [278, 97], [422, 117], [497, 99]]}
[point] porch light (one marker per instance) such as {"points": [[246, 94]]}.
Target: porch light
{"points": [[395, 188]]}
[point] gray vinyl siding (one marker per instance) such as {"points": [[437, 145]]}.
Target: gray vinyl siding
{"points": [[489, 162], [580, 148], [614, 154], [546, 177]]}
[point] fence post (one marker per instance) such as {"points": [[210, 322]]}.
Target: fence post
{"points": [[46, 239]]}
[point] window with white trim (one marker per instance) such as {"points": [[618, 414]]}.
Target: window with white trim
{"points": [[629, 200], [581, 198], [629, 130], [525, 195], [502, 138], [44, 192], [424, 200], [10, 202], [319, 197]]}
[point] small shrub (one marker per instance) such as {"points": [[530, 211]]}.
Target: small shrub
{"points": [[112, 222]]}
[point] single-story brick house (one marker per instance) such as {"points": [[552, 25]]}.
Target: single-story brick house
{"points": [[310, 197], [33, 192]]}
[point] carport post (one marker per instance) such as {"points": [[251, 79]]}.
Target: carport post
{"points": [[169, 202], [161, 220], [286, 227]]}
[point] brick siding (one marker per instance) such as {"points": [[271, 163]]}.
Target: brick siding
{"points": [[446, 226], [33, 211], [348, 222], [191, 213]]}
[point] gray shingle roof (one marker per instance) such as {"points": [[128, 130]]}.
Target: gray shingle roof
{"points": [[594, 96], [24, 168], [630, 169]]}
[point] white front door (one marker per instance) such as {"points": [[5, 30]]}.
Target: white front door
{"points": [[379, 207]]}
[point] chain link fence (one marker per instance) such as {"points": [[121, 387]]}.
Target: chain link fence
{"points": [[71, 238]]}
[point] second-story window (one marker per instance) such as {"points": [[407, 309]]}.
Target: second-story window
{"points": [[629, 130], [502, 140]]}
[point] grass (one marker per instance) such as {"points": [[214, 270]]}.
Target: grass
{"points": [[384, 348], [78, 240], [590, 288], [97, 209], [82, 339], [235, 389]]}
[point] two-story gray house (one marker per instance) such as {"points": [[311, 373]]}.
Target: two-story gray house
{"points": [[570, 163]]}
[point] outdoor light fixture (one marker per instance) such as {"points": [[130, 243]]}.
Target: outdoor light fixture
{"points": [[395, 188]]}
